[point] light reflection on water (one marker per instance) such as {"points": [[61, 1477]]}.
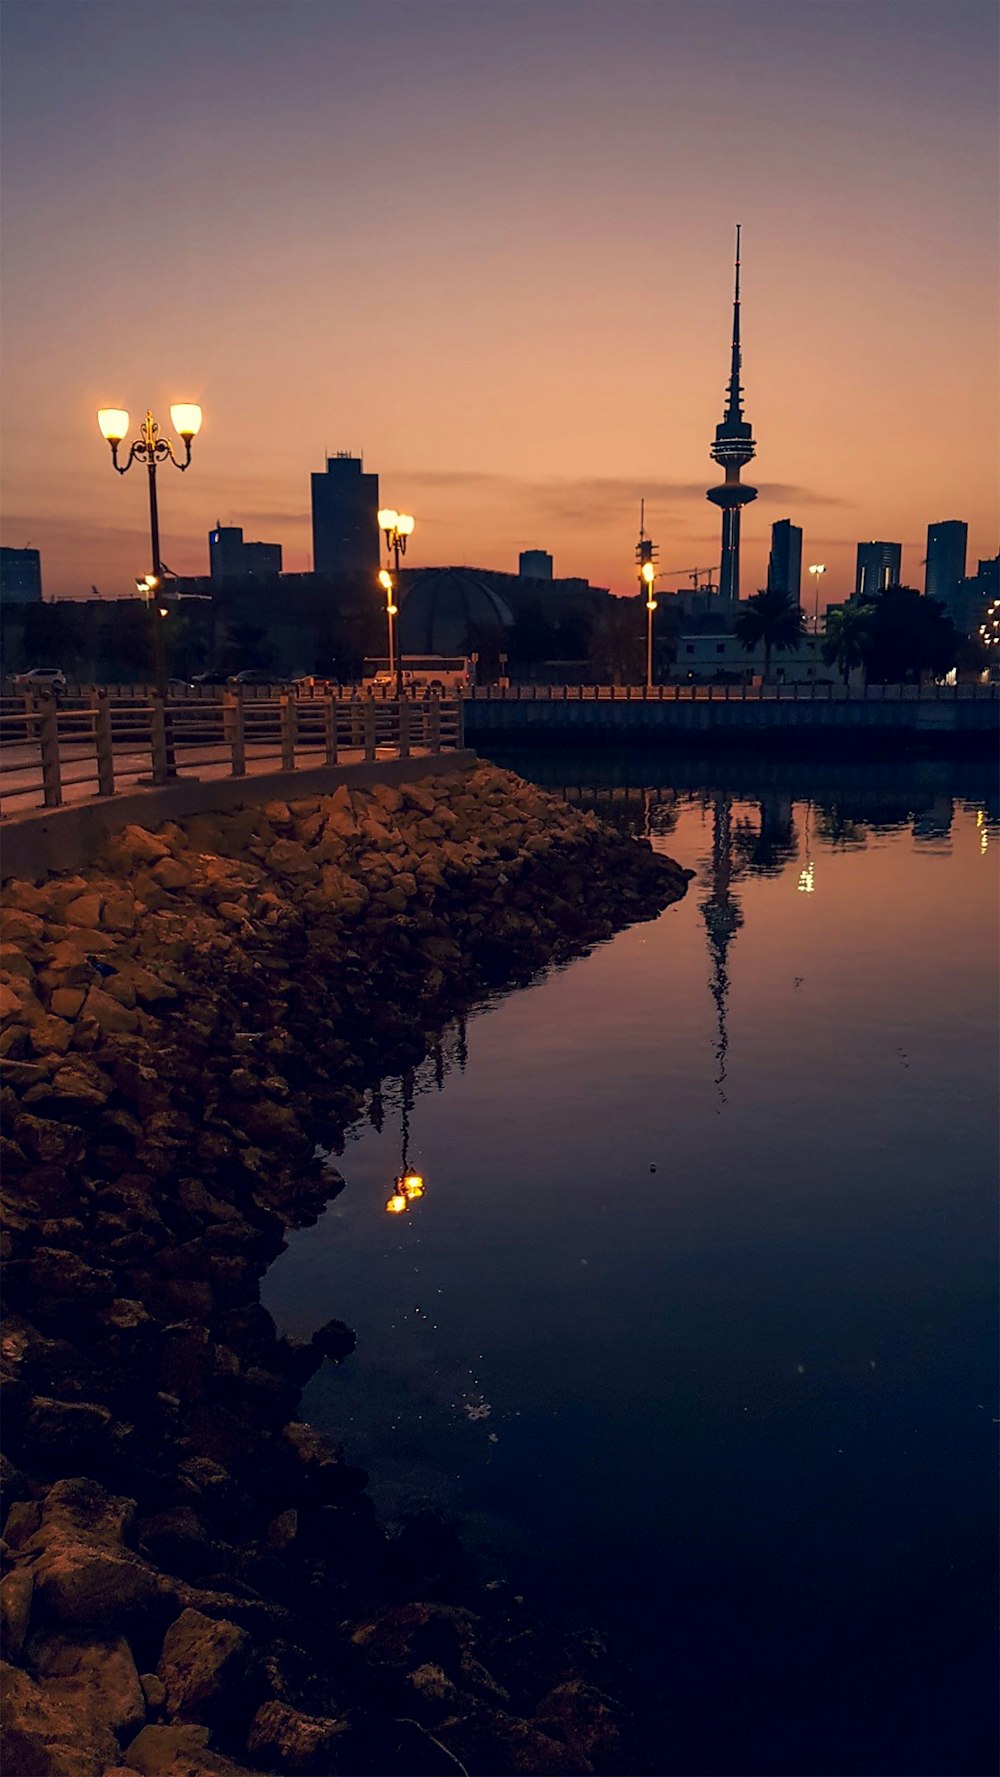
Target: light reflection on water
{"points": [[693, 1323]]}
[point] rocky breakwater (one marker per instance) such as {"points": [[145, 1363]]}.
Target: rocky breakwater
{"points": [[195, 1583]]}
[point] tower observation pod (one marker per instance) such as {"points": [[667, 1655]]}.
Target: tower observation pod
{"points": [[733, 449]]}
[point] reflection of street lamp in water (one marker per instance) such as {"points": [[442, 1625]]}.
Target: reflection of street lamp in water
{"points": [[408, 1185]]}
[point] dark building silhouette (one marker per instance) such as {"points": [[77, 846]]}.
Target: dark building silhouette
{"points": [[232, 559], [733, 449], [784, 566], [972, 599], [878, 566], [535, 564], [947, 543], [20, 577], [345, 518]]}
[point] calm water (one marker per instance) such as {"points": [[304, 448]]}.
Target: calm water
{"points": [[694, 1327]]}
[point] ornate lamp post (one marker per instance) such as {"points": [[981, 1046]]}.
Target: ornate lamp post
{"points": [[391, 611], [817, 570], [151, 449], [398, 528], [649, 576]]}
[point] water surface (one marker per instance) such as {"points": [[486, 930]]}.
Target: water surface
{"points": [[693, 1327]]}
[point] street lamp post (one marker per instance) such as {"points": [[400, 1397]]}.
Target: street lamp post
{"points": [[398, 528], [817, 570], [649, 577], [391, 611], [150, 448]]}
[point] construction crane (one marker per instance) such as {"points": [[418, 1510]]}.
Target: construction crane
{"points": [[692, 574]]}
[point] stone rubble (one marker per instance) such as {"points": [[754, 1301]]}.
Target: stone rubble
{"points": [[195, 1583]]}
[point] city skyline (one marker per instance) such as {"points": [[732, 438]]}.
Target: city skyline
{"points": [[515, 313]]}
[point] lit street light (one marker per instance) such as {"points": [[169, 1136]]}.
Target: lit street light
{"points": [[649, 576], [398, 528], [391, 611], [817, 570], [150, 448]]}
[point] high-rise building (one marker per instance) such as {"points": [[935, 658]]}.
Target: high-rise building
{"points": [[733, 449], [535, 564], [231, 559], [784, 565], [346, 536], [947, 543], [20, 577], [878, 566]]}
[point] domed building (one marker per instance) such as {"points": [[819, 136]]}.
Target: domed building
{"points": [[450, 611]]}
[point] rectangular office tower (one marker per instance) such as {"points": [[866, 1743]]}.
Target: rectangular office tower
{"points": [[230, 558], [947, 543], [345, 518], [879, 566], [784, 564], [20, 577]]}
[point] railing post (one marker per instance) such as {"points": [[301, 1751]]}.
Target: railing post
{"points": [[330, 729], [404, 728], [158, 738], [103, 744], [356, 723], [434, 725], [48, 736], [368, 714], [233, 731], [287, 732]]}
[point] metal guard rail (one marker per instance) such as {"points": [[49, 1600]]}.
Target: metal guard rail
{"points": [[112, 742]]}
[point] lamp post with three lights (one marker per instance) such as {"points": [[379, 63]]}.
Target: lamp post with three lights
{"points": [[398, 528]]}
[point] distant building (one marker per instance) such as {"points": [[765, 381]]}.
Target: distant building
{"points": [[947, 543], [972, 599], [346, 536], [535, 564], [20, 577], [879, 566], [784, 566], [232, 559], [706, 657]]}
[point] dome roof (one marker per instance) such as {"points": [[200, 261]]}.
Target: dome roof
{"points": [[445, 611]]}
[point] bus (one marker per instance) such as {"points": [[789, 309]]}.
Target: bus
{"points": [[448, 674]]}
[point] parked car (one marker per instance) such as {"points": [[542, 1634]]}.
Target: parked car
{"points": [[49, 680], [253, 675], [177, 687], [212, 678]]}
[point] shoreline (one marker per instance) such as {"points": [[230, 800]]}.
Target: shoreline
{"points": [[195, 1574]]}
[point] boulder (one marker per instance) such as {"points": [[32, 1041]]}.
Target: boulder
{"points": [[108, 1013], [183, 1750], [84, 911], [46, 1736], [296, 1742], [203, 1665], [97, 1680], [16, 1589]]}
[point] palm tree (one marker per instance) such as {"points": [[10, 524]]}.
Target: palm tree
{"points": [[848, 632], [773, 618]]}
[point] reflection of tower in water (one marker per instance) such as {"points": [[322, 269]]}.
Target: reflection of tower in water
{"points": [[723, 918]]}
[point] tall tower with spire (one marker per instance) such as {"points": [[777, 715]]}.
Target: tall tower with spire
{"points": [[733, 449]]}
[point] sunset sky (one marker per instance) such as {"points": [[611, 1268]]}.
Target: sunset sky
{"points": [[488, 244]]}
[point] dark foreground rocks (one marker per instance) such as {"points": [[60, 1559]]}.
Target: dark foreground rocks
{"points": [[195, 1584]]}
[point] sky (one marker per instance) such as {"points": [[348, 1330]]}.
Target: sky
{"points": [[488, 245]]}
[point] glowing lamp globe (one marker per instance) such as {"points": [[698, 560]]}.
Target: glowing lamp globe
{"points": [[185, 417], [113, 422], [387, 518], [404, 524], [648, 572], [385, 579], [396, 1204]]}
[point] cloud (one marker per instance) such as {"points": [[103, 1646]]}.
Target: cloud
{"points": [[590, 500]]}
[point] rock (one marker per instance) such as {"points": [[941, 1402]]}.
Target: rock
{"points": [[141, 846], [171, 874], [282, 1530], [295, 1742], [153, 1689], [179, 1751], [80, 1583], [491, 1740], [108, 1013], [84, 911], [587, 1720], [66, 1002], [45, 1736], [288, 858], [96, 1680], [203, 1665], [16, 1589], [433, 1694]]}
